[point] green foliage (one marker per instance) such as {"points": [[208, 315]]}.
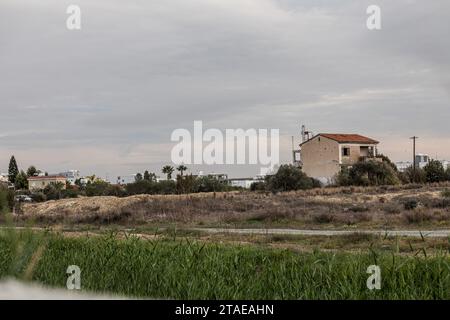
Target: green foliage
{"points": [[434, 171], [97, 188], [179, 269], [187, 184], [388, 161], [168, 170], [413, 176], [13, 170], [289, 177], [410, 204], [258, 186], [38, 197], [368, 173], [32, 171], [181, 168], [53, 191], [6, 200], [21, 181], [151, 187], [138, 177]]}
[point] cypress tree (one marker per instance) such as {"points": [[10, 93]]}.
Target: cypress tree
{"points": [[13, 170]]}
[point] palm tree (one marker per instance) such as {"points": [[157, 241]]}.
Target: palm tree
{"points": [[181, 168], [168, 170]]}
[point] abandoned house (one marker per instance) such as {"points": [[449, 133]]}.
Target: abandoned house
{"points": [[323, 155]]}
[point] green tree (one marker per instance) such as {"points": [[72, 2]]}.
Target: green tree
{"points": [[32, 171], [181, 168], [149, 176], [13, 170], [168, 170], [368, 173], [289, 177], [447, 173], [138, 177], [53, 190], [434, 171], [413, 176], [373, 173], [21, 180]]}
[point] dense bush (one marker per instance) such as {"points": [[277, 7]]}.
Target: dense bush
{"points": [[258, 186], [96, 188], [53, 191], [150, 187], [413, 176], [368, 173], [6, 200], [434, 171], [289, 177]]}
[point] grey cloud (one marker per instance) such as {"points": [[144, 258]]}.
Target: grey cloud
{"points": [[139, 69]]}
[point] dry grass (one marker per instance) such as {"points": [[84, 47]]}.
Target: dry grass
{"points": [[326, 207]]}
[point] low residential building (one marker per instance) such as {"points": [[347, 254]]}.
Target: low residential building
{"points": [[40, 182], [71, 176], [4, 178], [421, 161], [245, 183], [323, 155]]}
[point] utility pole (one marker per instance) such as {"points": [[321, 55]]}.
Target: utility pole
{"points": [[414, 138], [293, 151]]}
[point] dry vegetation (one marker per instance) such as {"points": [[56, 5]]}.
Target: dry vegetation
{"points": [[370, 207]]}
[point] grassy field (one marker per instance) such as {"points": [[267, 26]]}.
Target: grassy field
{"points": [[407, 206], [189, 269]]}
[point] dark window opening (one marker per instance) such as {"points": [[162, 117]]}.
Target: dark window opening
{"points": [[345, 152]]}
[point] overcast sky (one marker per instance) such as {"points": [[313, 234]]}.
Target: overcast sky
{"points": [[105, 99]]}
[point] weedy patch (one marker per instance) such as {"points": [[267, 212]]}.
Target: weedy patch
{"points": [[187, 269]]}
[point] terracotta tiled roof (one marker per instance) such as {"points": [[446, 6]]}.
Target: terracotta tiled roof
{"points": [[348, 138], [345, 138], [46, 177]]}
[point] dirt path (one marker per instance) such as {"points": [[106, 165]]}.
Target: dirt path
{"points": [[403, 233], [296, 232]]}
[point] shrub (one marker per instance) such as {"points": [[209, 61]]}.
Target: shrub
{"points": [[368, 173], [372, 173], [186, 184], [392, 208], [96, 188], [410, 204], [38, 197], [358, 208], [413, 176], [418, 216], [69, 193], [53, 191], [323, 217], [258, 186], [434, 171], [210, 184], [6, 200], [115, 190], [289, 177]]}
